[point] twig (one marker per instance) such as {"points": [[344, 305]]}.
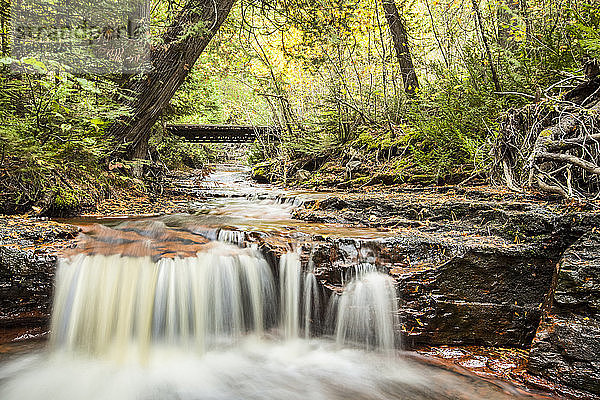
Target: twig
{"points": [[529, 96]]}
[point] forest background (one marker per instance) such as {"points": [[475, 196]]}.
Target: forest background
{"points": [[330, 74]]}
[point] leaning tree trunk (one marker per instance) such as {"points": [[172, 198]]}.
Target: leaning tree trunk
{"points": [[486, 45], [172, 61], [400, 38]]}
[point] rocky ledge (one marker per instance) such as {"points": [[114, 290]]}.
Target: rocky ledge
{"points": [[28, 253], [479, 266], [566, 348], [454, 288]]}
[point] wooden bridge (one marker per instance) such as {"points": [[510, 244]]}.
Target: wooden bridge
{"points": [[223, 133]]}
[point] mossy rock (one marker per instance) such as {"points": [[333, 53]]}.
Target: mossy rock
{"points": [[421, 179], [261, 172], [332, 167], [61, 202], [303, 175]]}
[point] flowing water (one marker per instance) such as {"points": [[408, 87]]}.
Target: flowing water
{"points": [[181, 308], [367, 312]]}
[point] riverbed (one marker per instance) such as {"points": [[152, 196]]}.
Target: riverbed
{"points": [[298, 256]]}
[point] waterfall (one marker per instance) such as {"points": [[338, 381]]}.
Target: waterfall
{"points": [[367, 312], [104, 304], [108, 304], [311, 301], [289, 287], [233, 237]]}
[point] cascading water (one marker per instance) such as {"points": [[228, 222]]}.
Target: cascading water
{"points": [[311, 301], [367, 312], [233, 237], [106, 303], [198, 323], [289, 287], [152, 311]]}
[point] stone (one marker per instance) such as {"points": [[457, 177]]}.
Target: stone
{"points": [[29, 249], [566, 348], [260, 172], [26, 278], [303, 175]]}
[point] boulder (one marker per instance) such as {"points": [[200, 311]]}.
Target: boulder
{"points": [[566, 348], [303, 175], [260, 172]]}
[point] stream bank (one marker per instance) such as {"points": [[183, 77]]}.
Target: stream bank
{"points": [[474, 266], [479, 266]]}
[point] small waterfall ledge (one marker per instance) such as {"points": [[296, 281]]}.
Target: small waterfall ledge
{"points": [[108, 304]]}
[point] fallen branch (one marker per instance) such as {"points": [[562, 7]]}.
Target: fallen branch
{"points": [[551, 188], [566, 144]]}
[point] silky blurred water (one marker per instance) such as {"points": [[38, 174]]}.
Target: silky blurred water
{"points": [[179, 308]]}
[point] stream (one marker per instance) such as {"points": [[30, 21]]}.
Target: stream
{"points": [[224, 303]]}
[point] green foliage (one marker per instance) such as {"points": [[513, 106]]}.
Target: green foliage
{"points": [[446, 129], [585, 27], [176, 153], [326, 72], [52, 137]]}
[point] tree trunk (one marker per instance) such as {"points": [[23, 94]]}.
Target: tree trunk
{"points": [[172, 61], [4, 21], [400, 38], [486, 46]]}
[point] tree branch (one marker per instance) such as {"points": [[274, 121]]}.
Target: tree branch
{"points": [[584, 164]]}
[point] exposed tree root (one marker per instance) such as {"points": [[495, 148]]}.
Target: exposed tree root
{"points": [[553, 145]]}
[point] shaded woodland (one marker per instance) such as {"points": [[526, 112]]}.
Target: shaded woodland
{"points": [[364, 91]]}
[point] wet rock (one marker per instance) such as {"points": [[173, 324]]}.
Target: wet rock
{"points": [[453, 289], [303, 175], [28, 253], [26, 278], [566, 348], [488, 295], [508, 219]]}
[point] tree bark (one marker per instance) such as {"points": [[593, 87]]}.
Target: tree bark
{"points": [[4, 21], [486, 46], [183, 42], [400, 38]]}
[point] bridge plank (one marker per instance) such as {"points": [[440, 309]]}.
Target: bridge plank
{"points": [[199, 133]]}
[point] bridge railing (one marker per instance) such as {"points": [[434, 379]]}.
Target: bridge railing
{"points": [[198, 133]]}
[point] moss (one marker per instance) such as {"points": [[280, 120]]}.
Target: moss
{"points": [[372, 141], [361, 180], [261, 171], [66, 199], [63, 202]]}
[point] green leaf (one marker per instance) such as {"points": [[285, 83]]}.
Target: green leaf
{"points": [[87, 85]]}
